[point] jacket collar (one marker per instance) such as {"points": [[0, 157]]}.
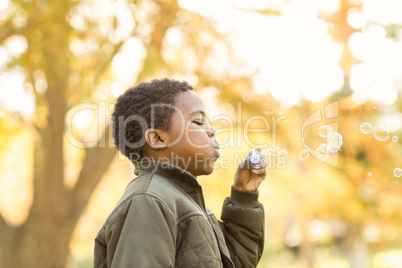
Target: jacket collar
{"points": [[180, 177]]}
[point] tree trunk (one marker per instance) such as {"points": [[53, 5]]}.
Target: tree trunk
{"points": [[356, 250], [43, 240]]}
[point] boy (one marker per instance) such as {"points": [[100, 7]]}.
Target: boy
{"points": [[161, 220]]}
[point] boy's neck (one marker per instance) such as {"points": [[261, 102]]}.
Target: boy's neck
{"points": [[171, 159]]}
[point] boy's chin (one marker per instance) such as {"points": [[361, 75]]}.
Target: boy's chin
{"points": [[209, 171], [205, 170]]}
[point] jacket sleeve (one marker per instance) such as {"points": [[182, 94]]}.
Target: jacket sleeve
{"points": [[243, 227], [147, 237]]}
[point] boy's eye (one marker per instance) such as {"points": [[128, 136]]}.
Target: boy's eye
{"points": [[198, 123]]}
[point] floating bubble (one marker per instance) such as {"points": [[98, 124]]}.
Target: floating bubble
{"points": [[275, 150], [370, 174], [397, 172], [333, 149], [380, 133], [395, 138], [366, 128], [322, 152], [324, 131], [282, 154], [335, 141], [303, 155]]}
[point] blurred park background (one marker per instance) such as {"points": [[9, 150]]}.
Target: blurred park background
{"points": [[63, 63]]}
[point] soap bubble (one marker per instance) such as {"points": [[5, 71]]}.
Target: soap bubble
{"points": [[322, 152], [366, 128], [395, 138], [335, 141], [370, 174], [274, 150], [333, 149], [303, 155], [397, 172], [381, 133], [282, 154], [324, 131]]}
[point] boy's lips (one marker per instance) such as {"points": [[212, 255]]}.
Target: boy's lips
{"points": [[217, 151]]}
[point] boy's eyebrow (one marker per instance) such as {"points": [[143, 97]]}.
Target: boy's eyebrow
{"points": [[198, 112]]}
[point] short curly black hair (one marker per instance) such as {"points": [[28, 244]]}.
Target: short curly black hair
{"points": [[132, 113]]}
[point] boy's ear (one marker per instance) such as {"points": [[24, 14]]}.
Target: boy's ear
{"points": [[156, 138]]}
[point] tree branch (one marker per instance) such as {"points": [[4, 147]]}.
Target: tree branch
{"points": [[7, 31], [3, 226], [267, 11], [106, 63], [38, 9], [97, 160], [95, 164], [166, 18]]}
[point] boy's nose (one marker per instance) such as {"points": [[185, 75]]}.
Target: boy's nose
{"points": [[211, 132]]}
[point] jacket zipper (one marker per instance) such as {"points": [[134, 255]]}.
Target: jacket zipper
{"points": [[213, 230], [210, 224]]}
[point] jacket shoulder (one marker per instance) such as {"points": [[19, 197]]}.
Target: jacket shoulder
{"points": [[179, 202], [158, 187]]}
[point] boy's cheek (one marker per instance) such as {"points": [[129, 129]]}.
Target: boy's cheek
{"points": [[198, 141]]}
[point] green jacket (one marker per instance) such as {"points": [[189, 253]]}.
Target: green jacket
{"points": [[162, 221]]}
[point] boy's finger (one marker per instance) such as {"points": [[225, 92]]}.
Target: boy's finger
{"points": [[259, 171], [264, 164], [261, 165], [245, 164]]}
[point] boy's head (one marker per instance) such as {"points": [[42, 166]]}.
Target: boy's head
{"points": [[164, 120]]}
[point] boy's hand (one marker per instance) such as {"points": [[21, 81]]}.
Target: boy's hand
{"points": [[248, 177]]}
